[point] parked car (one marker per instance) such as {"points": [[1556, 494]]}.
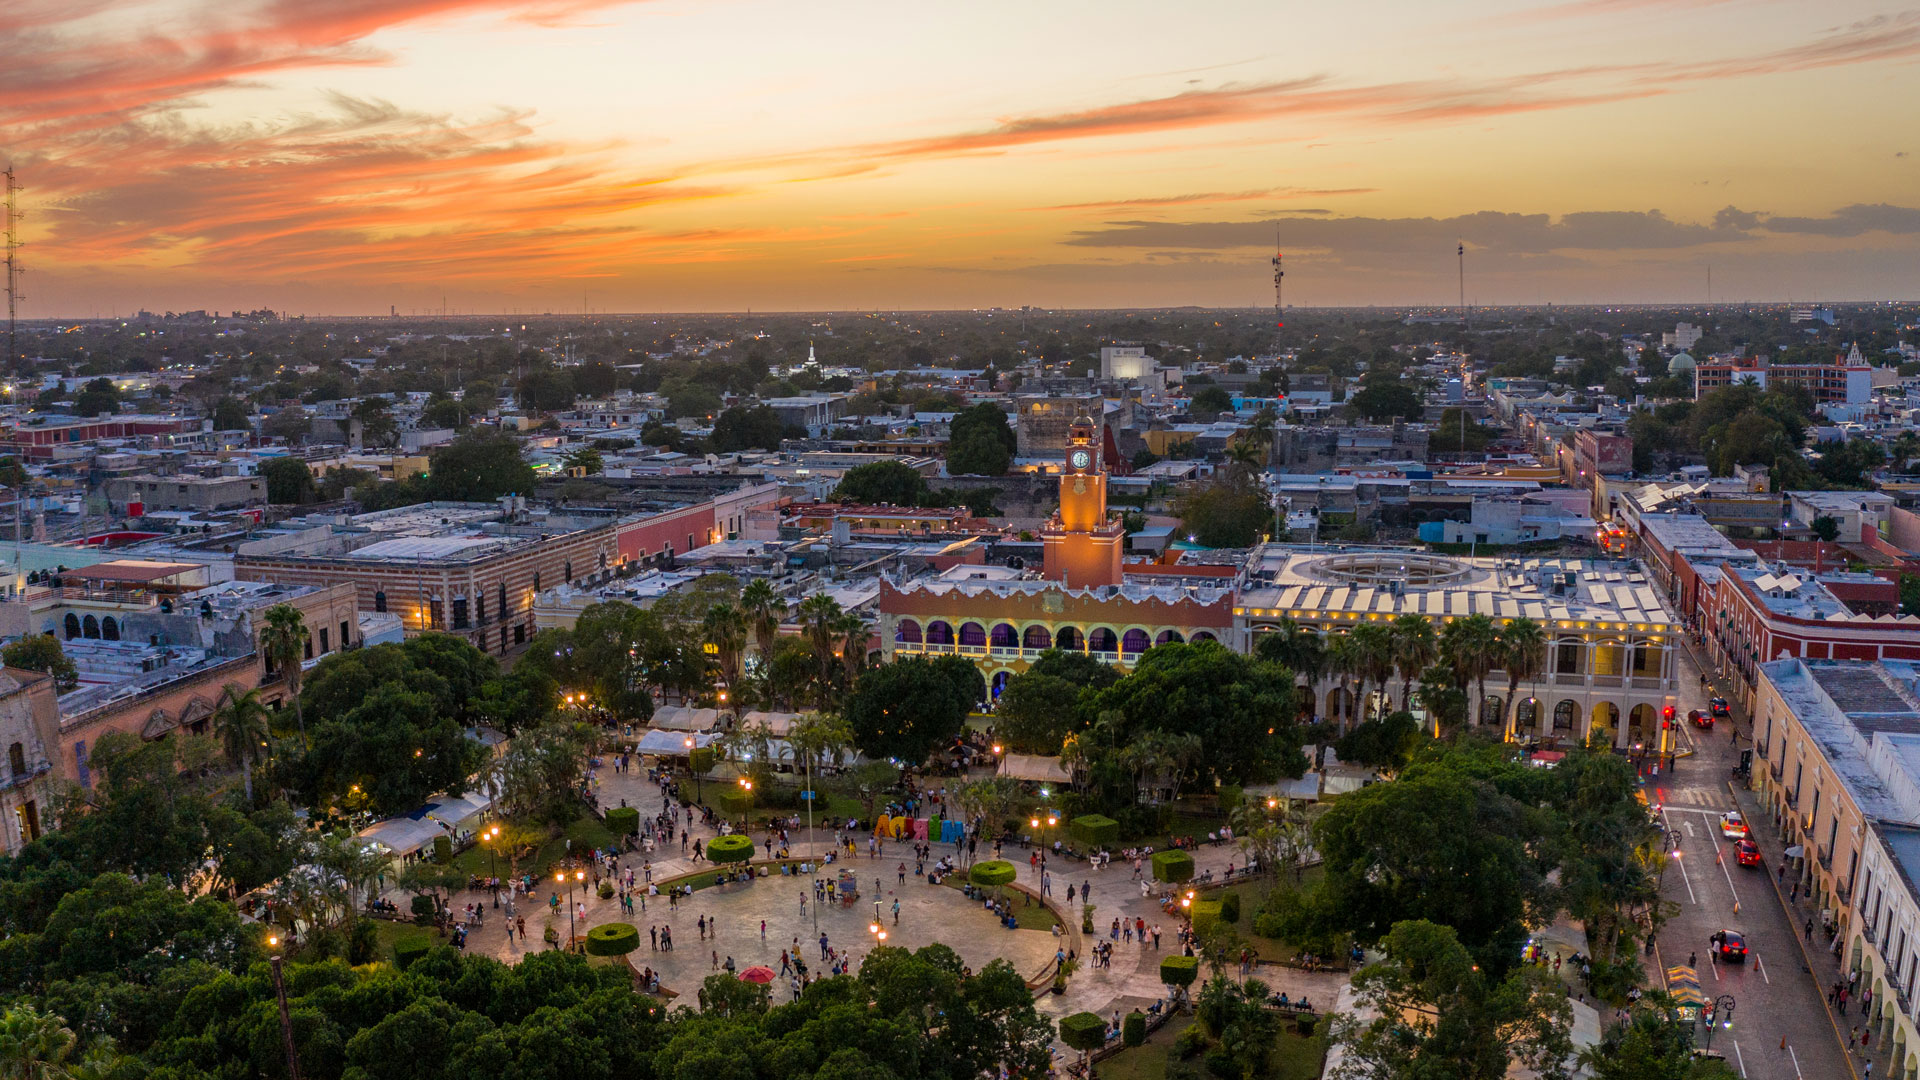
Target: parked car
{"points": [[1700, 719], [1746, 853], [1719, 707], [1733, 826], [1730, 946]]}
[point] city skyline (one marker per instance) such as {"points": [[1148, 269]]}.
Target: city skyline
{"points": [[554, 155]]}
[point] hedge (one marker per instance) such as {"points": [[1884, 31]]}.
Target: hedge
{"points": [[1173, 867], [1205, 913], [730, 849], [1095, 830], [1133, 1030], [1179, 970], [701, 760], [623, 821], [443, 850], [613, 939], [1230, 906], [407, 950], [1083, 1031], [734, 802], [993, 873]]}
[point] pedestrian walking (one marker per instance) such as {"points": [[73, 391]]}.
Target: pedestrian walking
{"points": [[763, 929], [716, 960], [896, 911]]}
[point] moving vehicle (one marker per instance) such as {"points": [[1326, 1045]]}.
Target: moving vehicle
{"points": [[1700, 719], [1733, 826], [1719, 708], [1730, 946], [1746, 853]]}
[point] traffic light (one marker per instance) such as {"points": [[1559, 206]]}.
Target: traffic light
{"points": [[1666, 718]]}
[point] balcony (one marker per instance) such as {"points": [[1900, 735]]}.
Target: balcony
{"points": [[35, 770], [1825, 856]]}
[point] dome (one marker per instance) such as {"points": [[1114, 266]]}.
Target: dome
{"points": [[1680, 362], [1083, 421]]}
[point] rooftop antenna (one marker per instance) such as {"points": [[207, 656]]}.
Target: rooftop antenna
{"points": [[14, 269]]}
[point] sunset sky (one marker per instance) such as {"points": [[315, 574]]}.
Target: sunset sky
{"points": [[341, 156]]}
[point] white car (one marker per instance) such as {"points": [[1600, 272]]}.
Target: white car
{"points": [[1733, 826]]}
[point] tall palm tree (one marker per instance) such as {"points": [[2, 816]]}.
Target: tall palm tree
{"points": [[763, 608], [1415, 648], [852, 629], [1260, 432], [240, 723], [285, 641], [1343, 660], [726, 629], [1467, 646], [820, 613], [34, 1045], [1372, 646], [1523, 653]]}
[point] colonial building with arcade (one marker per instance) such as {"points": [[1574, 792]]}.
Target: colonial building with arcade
{"points": [[1081, 601]]}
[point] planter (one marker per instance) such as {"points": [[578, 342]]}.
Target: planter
{"points": [[1095, 830], [730, 849]]}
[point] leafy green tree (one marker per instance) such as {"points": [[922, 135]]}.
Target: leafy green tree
{"points": [[479, 467], [546, 389], [377, 427], [97, 397], [240, 723], [1457, 431], [42, 652], [1654, 1044], [446, 412], [395, 747], [1386, 744], [980, 442], [584, 458], [1241, 709], [1224, 516], [743, 428], [135, 931], [289, 481], [1383, 399], [909, 708], [1910, 594], [889, 483], [1826, 528], [689, 399], [1438, 1013], [517, 699], [231, 414]]}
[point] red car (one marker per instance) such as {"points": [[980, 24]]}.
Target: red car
{"points": [[1746, 853], [1700, 720]]}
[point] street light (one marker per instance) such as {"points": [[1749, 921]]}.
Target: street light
{"points": [[578, 875], [1720, 1012], [697, 788], [286, 1021], [493, 859]]}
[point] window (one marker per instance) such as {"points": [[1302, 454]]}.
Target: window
{"points": [[536, 581], [460, 613], [502, 597], [480, 608], [73, 626], [323, 641], [569, 571], [90, 627], [309, 649], [17, 759], [345, 638], [110, 629], [380, 601], [1567, 657]]}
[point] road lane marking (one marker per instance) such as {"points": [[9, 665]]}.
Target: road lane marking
{"points": [[1763, 969], [1742, 1057], [1676, 861], [1720, 858], [1687, 824], [1796, 1062]]}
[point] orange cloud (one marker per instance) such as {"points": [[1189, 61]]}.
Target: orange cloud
{"points": [[1209, 197]]}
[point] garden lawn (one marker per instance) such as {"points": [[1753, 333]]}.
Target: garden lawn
{"points": [[1148, 1061], [1294, 1056], [390, 933], [1035, 916]]}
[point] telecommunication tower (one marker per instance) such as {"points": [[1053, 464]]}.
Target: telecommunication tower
{"points": [[1279, 275], [14, 269]]}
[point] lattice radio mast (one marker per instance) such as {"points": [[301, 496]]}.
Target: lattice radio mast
{"points": [[14, 269], [1279, 275]]}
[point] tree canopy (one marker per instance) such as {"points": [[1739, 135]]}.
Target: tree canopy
{"points": [[909, 708], [980, 442]]}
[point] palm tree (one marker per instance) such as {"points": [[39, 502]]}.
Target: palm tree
{"points": [[1260, 432], [726, 630], [1243, 462], [1523, 652], [763, 609], [1468, 646], [851, 626], [240, 723], [1415, 648], [819, 613], [1300, 648], [284, 639], [34, 1045], [1372, 647], [1343, 661]]}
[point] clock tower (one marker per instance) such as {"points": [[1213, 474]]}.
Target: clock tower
{"points": [[1082, 545]]}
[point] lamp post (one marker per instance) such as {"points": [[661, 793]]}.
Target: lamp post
{"points": [[493, 860], [698, 789], [1721, 1012], [746, 812], [578, 876], [286, 1021]]}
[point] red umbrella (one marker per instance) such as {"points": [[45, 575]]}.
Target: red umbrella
{"points": [[758, 973]]}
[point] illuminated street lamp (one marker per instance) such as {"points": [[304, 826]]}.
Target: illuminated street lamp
{"points": [[578, 876], [493, 858]]}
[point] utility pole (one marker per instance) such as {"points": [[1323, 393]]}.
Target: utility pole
{"points": [[1462, 253], [286, 1022], [14, 269]]}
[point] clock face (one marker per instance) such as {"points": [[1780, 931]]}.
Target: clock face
{"points": [[1080, 459]]}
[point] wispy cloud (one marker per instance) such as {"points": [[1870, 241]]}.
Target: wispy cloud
{"points": [[1204, 198]]}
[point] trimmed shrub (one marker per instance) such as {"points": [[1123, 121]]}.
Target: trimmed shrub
{"points": [[993, 873], [1230, 906], [1083, 1031], [1205, 914], [423, 910], [407, 950], [443, 850], [1179, 970], [363, 943], [623, 821], [613, 939], [1095, 830], [733, 802], [605, 890], [701, 760], [730, 849], [1133, 1030], [1190, 1041], [1173, 867], [1304, 1024]]}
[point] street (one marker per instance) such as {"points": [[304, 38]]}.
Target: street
{"points": [[1781, 1028]]}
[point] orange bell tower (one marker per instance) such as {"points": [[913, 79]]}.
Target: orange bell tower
{"points": [[1082, 545]]}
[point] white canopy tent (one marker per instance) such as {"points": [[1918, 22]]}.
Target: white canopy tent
{"points": [[1035, 767], [683, 718], [441, 817], [672, 743], [778, 724]]}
